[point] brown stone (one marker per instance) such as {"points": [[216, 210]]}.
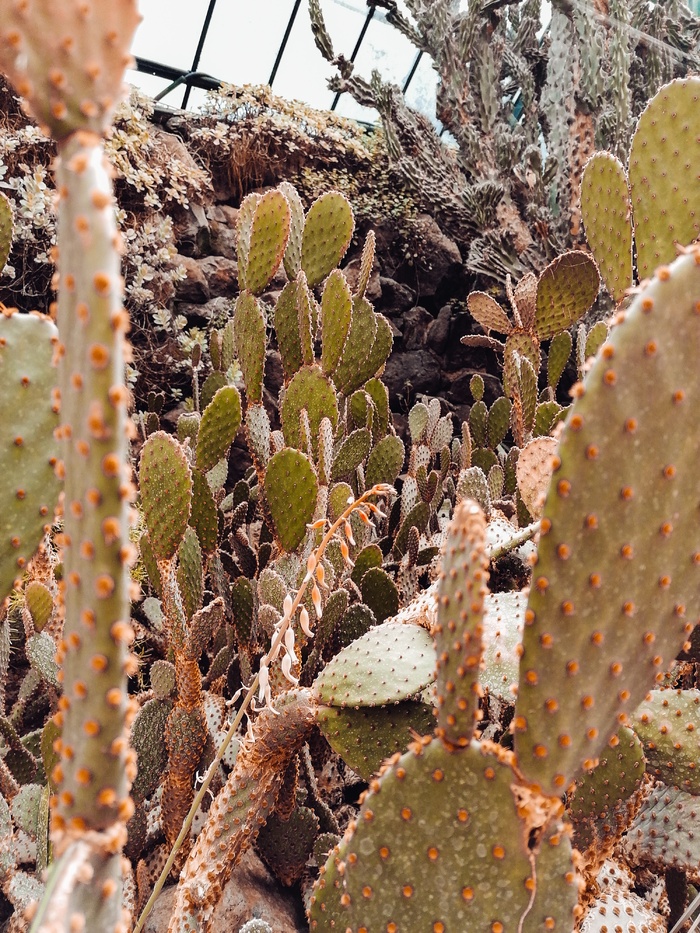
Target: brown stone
{"points": [[221, 275], [251, 893], [194, 287]]}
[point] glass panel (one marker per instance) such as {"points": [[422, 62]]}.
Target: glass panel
{"points": [[152, 85], [303, 72], [422, 91], [244, 38], [169, 31]]}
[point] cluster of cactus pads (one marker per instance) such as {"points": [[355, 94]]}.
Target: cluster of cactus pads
{"points": [[292, 587], [459, 833]]}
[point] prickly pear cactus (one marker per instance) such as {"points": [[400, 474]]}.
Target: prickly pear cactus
{"points": [[29, 486], [615, 589]]}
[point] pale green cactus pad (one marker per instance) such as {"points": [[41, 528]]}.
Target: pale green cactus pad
{"points": [[261, 248], [327, 233], [361, 336], [664, 833], [392, 662], [292, 254], [204, 516], [291, 488], [441, 843], [287, 327], [385, 461], [219, 426], [668, 723], [166, 492], [607, 216], [615, 589], [6, 226], [663, 174], [249, 334], [29, 487], [336, 312], [311, 390]]}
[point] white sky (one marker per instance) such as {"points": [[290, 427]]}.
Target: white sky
{"points": [[244, 37]]}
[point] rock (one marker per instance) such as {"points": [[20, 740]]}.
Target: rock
{"points": [[215, 312], [411, 372], [438, 333], [396, 297], [191, 230], [221, 275], [194, 287], [223, 221], [414, 326], [438, 255], [251, 893]]}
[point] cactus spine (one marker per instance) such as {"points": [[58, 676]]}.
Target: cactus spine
{"points": [[68, 64]]}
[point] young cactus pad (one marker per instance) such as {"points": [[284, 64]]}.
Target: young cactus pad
{"points": [[615, 589], [28, 486]]}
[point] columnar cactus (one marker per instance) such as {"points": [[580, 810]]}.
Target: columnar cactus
{"points": [[68, 64]]}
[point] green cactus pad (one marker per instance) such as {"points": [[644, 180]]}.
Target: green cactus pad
{"points": [[459, 628], [285, 845], [441, 844], [258, 430], [607, 217], [370, 556], [266, 241], [595, 339], [604, 800], [243, 604], [249, 334], [374, 361], [484, 309], [290, 492], [307, 315], [204, 516], [663, 174], [292, 254], [190, 578], [287, 327], [41, 654], [162, 676], [418, 517], [558, 357], [418, 422], [385, 461], [6, 225], [148, 739], [565, 291], [664, 832], [379, 394], [379, 593], [219, 426], [351, 453], [166, 492], [39, 603], [327, 233], [668, 723], [211, 386], [338, 500], [364, 737], [392, 662], [361, 337], [336, 313], [311, 390], [497, 423], [366, 264], [28, 485], [615, 590], [188, 427], [516, 345]]}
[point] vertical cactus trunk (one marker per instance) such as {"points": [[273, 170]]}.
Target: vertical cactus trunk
{"points": [[92, 778], [68, 61]]}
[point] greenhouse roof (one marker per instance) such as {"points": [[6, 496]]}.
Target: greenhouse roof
{"points": [[200, 43]]}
